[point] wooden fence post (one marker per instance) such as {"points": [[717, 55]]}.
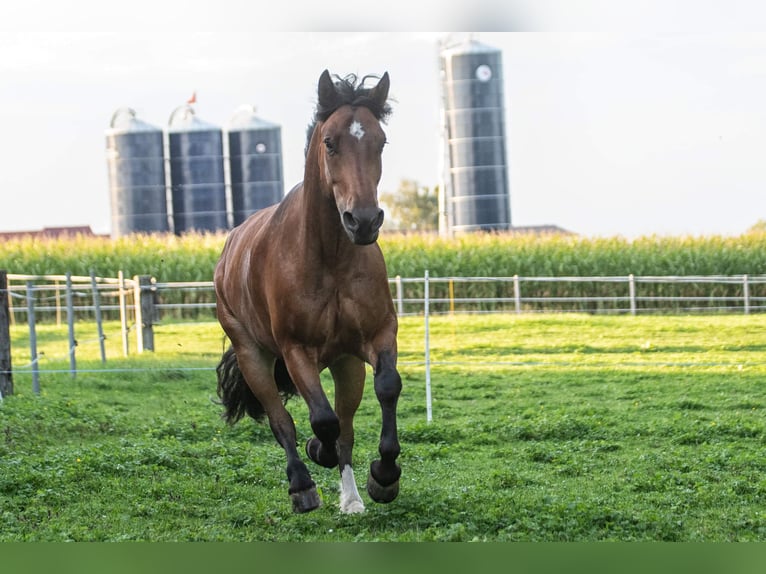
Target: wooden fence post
{"points": [[57, 292], [145, 312], [6, 372]]}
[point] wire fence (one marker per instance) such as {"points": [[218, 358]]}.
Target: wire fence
{"points": [[141, 302], [627, 294]]}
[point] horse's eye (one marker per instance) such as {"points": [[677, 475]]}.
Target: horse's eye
{"points": [[331, 149]]}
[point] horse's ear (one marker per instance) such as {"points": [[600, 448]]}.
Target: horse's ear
{"points": [[326, 90], [380, 92]]}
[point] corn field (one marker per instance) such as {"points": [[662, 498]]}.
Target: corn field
{"points": [[192, 257]]}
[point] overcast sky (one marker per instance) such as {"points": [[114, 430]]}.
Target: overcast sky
{"points": [[647, 120]]}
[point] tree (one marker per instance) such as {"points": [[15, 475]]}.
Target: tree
{"points": [[412, 207], [758, 227]]}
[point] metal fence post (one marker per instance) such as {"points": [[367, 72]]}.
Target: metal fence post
{"points": [[70, 324], [746, 293], [632, 293], [399, 295], [517, 293], [138, 314], [6, 370], [97, 307], [428, 348], [33, 337], [123, 312]]}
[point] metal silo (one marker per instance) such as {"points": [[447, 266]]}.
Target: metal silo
{"points": [[476, 195], [255, 163], [136, 167], [197, 183]]}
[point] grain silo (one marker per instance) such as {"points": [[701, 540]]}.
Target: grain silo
{"points": [[136, 169], [197, 183], [255, 163], [476, 195]]}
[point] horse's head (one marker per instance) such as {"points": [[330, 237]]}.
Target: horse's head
{"points": [[350, 143]]}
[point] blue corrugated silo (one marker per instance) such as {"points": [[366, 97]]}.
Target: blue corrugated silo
{"points": [[255, 163], [136, 169], [197, 183], [477, 195]]}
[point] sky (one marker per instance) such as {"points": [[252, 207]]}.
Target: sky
{"points": [[622, 118]]}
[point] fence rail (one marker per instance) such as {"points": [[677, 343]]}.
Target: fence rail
{"points": [[140, 302], [607, 294]]}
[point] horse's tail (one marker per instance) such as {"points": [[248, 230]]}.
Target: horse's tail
{"points": [[237, 398]]}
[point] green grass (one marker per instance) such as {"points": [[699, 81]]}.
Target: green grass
{"points": [[546, 427]]}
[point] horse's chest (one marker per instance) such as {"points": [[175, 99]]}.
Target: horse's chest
{"points": [[340, 319], [343, 314]]}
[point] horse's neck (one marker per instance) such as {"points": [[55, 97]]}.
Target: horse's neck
{"points": [[319, 232], [322, 236]]}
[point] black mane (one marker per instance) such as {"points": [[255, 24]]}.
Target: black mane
{"points": [[349, 91]]}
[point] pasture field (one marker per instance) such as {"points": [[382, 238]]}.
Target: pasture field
{"points": [[545, 428]]}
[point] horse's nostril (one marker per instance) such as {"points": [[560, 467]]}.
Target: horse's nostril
{"points": [[350, 221], [378, 221]]}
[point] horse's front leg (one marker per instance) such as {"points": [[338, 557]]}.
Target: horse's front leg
{"points": [[349, 374], [302, 366], [383, 481]]}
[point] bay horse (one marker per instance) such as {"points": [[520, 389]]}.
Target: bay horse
{"points": [[302, 286]]}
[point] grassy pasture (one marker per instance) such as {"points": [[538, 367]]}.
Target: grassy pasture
{"points": [[546, 427]]}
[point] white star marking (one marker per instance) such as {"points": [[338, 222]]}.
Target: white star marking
{"points": [[356, 130]]}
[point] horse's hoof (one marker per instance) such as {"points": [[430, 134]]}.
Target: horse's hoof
{"points": [[322, 457], [305, 500], [380, 493]]}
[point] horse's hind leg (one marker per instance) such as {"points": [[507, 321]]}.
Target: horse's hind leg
{"points": [[348, 374], [258, 369]]}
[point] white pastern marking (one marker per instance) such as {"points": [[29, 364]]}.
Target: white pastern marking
{"points": [[356, 130], [350, 501]]}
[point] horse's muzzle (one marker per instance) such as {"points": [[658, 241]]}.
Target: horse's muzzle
{"points": [[363, 225]]}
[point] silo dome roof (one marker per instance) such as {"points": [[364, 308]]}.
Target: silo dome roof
{"points": [[124, 121], [244, 118], [468, 46], [184, 119]]}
